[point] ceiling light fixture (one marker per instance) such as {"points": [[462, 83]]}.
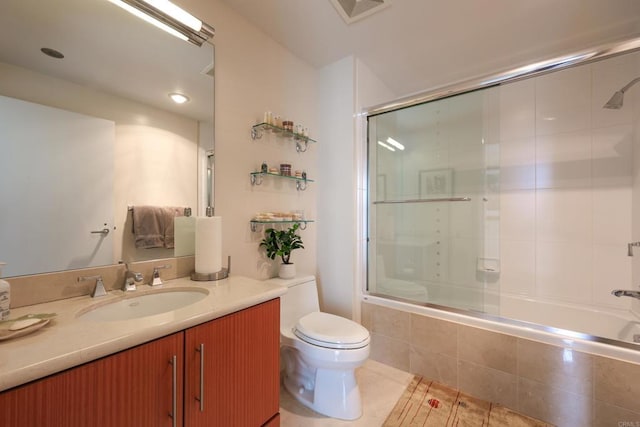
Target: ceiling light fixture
{"points": [[179, 98], [353, 10], [170, 18], [388, 147], [395, 143]]}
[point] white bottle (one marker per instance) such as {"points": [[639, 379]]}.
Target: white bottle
{"points": [[5, 296]]}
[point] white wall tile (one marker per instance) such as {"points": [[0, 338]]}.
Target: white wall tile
{"points": [[612, 156], [517, 263], [517, 215], [462, 261], [518, 164], [517, 110], [564, 216], [563, 160], [612, 218], [465, 218], [611, 270], [563, 101], [563, 271]]}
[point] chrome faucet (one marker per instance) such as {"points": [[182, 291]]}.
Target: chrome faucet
{"points": [[130, 280], [155, 277], [99, 290], [626, 293]]}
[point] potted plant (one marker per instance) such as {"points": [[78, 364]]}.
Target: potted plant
{"points": [[281, 243]]}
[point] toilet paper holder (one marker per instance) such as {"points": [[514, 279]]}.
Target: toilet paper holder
{"points": [[218, 275]]}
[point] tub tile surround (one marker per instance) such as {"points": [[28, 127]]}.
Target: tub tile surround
{"points": [[555, 384], [42, 288]]}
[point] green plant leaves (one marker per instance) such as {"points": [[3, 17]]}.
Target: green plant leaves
{"points": [[282, 242]]}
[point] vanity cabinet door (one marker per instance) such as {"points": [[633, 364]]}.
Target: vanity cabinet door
{"points": [[131, 388], [241, 369], [143, 383]]}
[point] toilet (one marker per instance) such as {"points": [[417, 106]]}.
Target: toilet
{"points": [[320, 352]]}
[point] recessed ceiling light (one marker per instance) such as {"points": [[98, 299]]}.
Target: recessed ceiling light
{"points": [[52, 52], [179, 98]]}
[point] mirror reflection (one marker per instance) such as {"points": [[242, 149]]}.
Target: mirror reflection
{"points": [[90, 135]]}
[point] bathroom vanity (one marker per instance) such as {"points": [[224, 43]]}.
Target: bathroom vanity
{"points": [[212, 363]]}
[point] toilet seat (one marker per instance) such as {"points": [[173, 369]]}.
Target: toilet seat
{"points": [[330, 331]]}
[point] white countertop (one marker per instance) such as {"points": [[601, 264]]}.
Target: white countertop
{"points": [[67, 341]]}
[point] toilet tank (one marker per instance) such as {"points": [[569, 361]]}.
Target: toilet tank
{"points": [[301, 299]]}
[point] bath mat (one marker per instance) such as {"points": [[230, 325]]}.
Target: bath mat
{"points": [[427, 403]]}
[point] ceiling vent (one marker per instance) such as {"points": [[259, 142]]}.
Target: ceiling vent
{"points": [[353, 10]]}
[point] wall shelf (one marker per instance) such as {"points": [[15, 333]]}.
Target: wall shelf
{"points": [[301, 183], [301, 141], [303, 223]]}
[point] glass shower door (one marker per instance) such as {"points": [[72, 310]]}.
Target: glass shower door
{"points": [[433, 214]]}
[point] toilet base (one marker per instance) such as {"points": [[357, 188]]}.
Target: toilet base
{"points": [[335, 394]]}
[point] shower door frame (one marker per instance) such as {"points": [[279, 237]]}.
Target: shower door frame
{"points": [[582, 57]]}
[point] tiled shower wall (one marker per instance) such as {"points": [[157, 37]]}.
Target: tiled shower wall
{"points": [[555, 384], [567, 184]]}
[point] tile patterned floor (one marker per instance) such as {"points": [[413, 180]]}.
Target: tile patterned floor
{"points": [[382, 387]]}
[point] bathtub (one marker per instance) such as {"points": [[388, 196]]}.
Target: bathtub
{"points": [[599, 332]]}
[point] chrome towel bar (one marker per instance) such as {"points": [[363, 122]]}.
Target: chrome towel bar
{"points": [[445, 199]]}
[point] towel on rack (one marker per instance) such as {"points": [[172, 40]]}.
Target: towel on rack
{"points": [[153, 226]]}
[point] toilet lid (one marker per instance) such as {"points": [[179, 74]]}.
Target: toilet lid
{"points": [[328, 330]]}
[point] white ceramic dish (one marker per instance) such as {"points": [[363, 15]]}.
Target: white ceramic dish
{"points": [[8, 327]]}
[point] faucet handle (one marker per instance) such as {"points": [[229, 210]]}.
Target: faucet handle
{"points": [[99, 290], [156, 281]]}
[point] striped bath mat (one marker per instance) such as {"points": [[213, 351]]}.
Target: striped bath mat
{"points": [[427, 403]]}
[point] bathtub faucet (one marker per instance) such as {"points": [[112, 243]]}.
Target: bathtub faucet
{"points": [[630, 247], [624, 293]]}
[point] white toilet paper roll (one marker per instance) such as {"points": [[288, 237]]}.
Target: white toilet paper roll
{"points": [[208, 244]]}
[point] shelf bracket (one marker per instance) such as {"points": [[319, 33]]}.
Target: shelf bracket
{"points": [[255, 133], [254, 227], [299, 145], [301, 184], [256, 179]]}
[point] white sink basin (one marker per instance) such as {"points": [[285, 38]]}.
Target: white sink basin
{"points": [[144, 305]]}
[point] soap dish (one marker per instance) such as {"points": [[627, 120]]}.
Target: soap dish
{"points": [[24, 325]]}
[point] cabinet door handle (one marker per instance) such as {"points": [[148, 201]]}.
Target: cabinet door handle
{"points": [[174, 390], [201, 398]]}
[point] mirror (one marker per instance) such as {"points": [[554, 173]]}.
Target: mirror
{"points": [[88, 136]]}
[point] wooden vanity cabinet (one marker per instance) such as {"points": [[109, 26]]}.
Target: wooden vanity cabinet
{"points": [[240, 360], [135, 387], [131, 388]]}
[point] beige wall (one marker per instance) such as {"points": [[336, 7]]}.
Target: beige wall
{"points": [[254, 74], [555, 384]]}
